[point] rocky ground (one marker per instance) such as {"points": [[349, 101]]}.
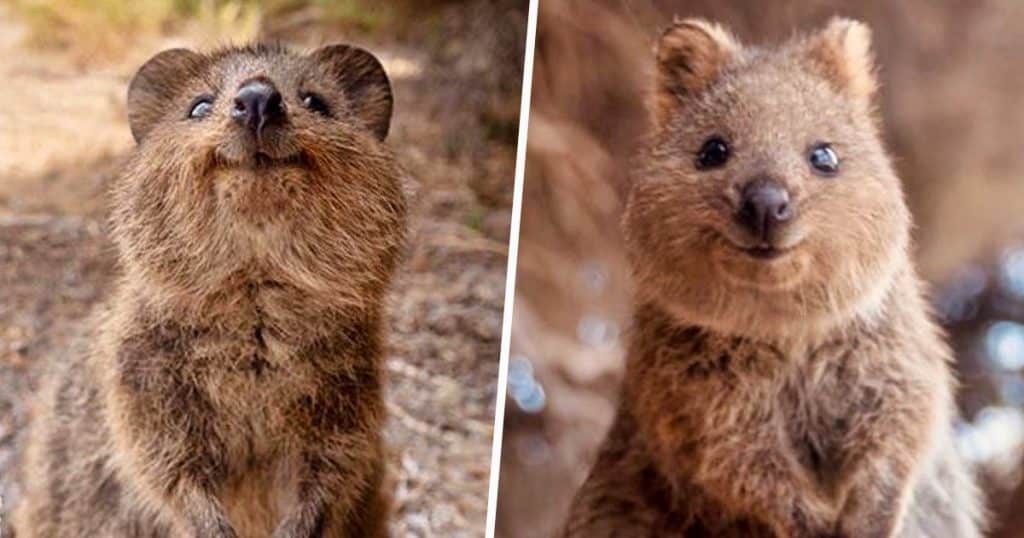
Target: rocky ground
{"points": [[61, 142]]}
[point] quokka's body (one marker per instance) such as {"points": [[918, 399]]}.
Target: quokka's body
{"points": [[232, 384], [784, 377]]}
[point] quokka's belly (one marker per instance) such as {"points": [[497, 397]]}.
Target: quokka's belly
{"points": [[256, 499]]}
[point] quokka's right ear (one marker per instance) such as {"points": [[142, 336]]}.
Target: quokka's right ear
{"points": [[361, 77], [155, 85], [842, 54], [690, 55]]}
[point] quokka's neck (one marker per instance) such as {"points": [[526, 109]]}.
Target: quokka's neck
{"points": [[899, 305], [289, 313]]}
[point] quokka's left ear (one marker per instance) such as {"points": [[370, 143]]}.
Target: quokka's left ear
{"points": [[363, 82], [690, 56], [842, 54]]}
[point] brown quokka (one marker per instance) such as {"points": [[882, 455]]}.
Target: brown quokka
{"points": [[784, 377], [232, 385]]}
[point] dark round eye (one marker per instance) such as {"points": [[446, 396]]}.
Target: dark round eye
{"points": [[712, 154], [824, 159], [315, 103], [201, 108]]}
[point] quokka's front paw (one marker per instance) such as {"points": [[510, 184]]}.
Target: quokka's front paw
{"points": [[214, 529], [302, 525], [865, 527], [811, 519]]}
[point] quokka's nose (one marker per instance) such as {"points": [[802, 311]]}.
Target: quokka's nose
{"points": [[764, 205], [257, 104]]}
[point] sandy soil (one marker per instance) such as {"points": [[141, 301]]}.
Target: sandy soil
{"points": [[63, 140]]}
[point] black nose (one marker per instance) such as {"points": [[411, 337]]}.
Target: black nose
{"points": [[763, 206], [257, 105]]}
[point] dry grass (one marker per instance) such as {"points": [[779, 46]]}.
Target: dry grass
{"points": [[100, 29]]}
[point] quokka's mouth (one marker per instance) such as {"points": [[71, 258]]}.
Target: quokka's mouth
{"points": [[763, 266], [262, 160], [760, 252], [765, 252]]}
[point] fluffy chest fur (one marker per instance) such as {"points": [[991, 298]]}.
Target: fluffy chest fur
{"points": [[701, 399], [249, 381]]}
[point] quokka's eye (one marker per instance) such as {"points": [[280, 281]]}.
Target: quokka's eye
{"points": [[824, 160], [315, 103], [714, 153], [201, 108]]}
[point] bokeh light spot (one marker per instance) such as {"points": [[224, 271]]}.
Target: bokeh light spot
{"points": [[1004, 343]]}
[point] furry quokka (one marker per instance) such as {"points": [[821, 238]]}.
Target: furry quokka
{"points": [[232, 384], [784, 377]]}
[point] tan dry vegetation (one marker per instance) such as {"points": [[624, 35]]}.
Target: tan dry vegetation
{"points": [[949, 102], [104, 30], [64, 132]]}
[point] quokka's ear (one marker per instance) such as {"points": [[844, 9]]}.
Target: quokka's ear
{"points": [[842, 54], [155, 85], [690, 55], [362, 80]]}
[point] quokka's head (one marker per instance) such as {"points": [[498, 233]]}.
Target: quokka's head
{"points": [[259, 162], [766, 202]]}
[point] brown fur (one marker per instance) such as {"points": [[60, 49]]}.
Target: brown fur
{"points": [[807, 395], [232, 386]]}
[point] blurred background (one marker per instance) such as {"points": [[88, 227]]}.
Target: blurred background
{"points": [[455, 67], [952, 81]]}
